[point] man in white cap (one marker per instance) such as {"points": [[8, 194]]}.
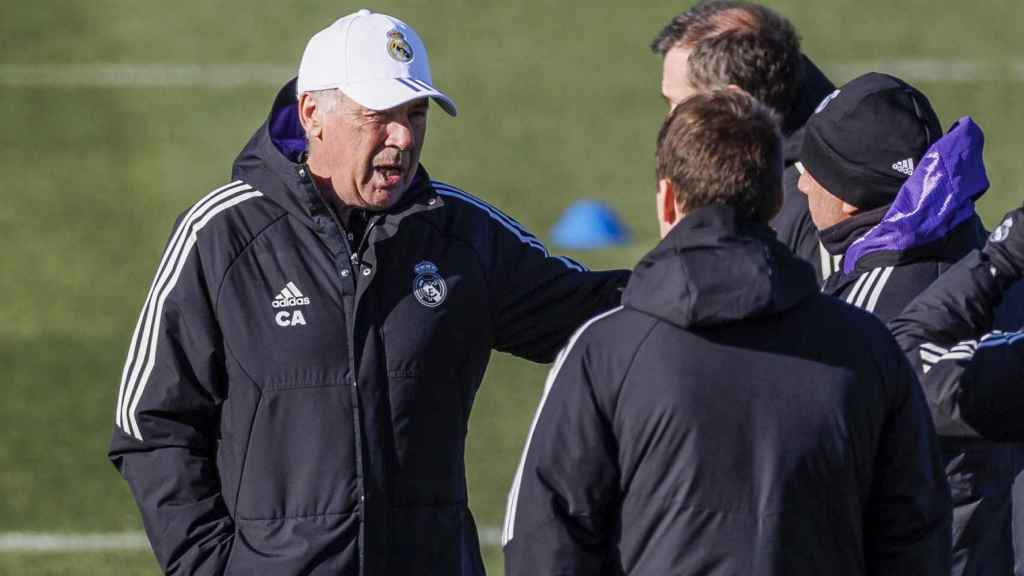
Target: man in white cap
{"points": [[298, 388]]}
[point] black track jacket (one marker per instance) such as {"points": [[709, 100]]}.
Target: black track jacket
{"points": [[965, 340], [295, 401], [981, 473], [963, 337], [720, 424]]}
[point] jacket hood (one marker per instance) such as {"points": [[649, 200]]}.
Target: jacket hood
{"points": [[934, 201], [715, 267], [814, 87], [273, 161]]}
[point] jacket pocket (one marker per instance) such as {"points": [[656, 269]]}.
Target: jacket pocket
{"points": [[315, 546], [300, 461]]}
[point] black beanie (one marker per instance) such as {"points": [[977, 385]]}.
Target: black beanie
{"points": [[866, 138]]}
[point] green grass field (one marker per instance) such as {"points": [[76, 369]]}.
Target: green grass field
{"points": [[558, 100]]}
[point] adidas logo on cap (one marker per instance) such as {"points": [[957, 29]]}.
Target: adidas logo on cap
{"points": [[904, 166]]}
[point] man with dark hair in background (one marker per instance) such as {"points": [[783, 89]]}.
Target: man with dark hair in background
{"points": [[725, 42], [893, 199], [717, 423]]}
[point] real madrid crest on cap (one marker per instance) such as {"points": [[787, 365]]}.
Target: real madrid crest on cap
{"points": [[398, 48], [428, 287]]}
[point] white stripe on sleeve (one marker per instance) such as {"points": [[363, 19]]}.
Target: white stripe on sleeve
{"points": [[505, 220], [142, 354], [513, 495], [878, 288], [859, 302], [856, 288], [130, 370]]}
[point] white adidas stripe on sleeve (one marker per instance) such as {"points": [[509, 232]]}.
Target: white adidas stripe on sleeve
{"points": [[879, 286], [872, 276], [869, 283], [513, 495], [505, 220], [856, 288], [931, 354], [142, 351], [169, 252]]}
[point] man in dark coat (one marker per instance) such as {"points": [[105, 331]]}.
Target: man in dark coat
{"points": [[728, 42], [893, 198], [298, 388], [718, 423]]}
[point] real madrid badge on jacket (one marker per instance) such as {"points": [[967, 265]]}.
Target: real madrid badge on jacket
{"points": [[428, 286]]}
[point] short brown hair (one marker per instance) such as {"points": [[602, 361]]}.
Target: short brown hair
{"points": [[723, 148], [738, 43]]}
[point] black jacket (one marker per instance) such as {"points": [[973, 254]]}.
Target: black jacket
{"points": [[793, 222], [719, 424], [962, 335], [980, 472], [884, 282], [296, 401]]}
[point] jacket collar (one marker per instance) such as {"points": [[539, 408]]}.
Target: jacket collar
{"points": [[838, 238], [715, 267]]}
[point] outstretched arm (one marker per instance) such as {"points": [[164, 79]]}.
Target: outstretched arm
{"points": [[971, 374]]}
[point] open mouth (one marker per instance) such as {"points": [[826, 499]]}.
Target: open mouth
{"points": [[390, 174]]}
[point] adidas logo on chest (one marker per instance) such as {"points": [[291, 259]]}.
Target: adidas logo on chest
{"points": [[288, 298]]}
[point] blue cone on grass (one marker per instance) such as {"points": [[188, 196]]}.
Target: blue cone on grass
{"points": [[588, 225]]}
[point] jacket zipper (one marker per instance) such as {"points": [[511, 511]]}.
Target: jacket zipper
{"points": [[356, 255], [353, 382]]}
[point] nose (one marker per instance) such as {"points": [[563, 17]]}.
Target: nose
{"points": [[400, 135]]}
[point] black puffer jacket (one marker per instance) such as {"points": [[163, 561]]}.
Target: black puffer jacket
{"points": [[889, 256], [720, 424], [963, 336], [296, 398]]}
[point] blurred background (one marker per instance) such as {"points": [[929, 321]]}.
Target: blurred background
{"points": [[117, 115]]}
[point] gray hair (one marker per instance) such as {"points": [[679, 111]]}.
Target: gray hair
{"points": [[327, 100]]}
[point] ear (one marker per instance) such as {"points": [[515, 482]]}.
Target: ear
{"points": [[667, 213], [308, 117]]}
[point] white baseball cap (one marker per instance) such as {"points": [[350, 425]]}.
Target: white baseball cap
{"points": [[376, 60]]}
